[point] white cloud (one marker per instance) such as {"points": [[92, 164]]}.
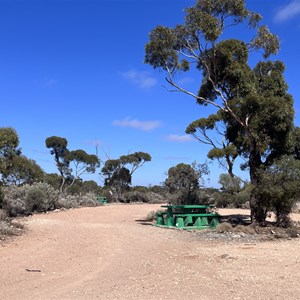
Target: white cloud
{"points": [[287, 12], [134, 123], [179, 138], [142, 79]]}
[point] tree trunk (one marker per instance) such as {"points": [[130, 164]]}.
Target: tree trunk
{"points": [[258, 209], [62, 184]]}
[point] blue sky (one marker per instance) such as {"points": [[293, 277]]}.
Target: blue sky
{"points": [[74, 68]]}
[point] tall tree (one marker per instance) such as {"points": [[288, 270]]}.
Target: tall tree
{"points": [[70, 164], [253, 102], [59, 150]]}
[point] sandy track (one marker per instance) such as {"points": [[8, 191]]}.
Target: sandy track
{"points": [[104, 253]]}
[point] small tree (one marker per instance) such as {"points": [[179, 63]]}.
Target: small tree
{"points": [[279, 188], [183, 182], [230, 184], [118, 172]]}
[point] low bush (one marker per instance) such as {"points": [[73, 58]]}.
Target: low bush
{"points": [[1, 197], [7, 227], [19, 200], [145, 197], [67, 201], [224, 227], [3, 215], [88, 199], [151, 216], [74, 201]]}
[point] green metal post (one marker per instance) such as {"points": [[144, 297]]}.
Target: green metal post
{"points": [[159, 219], [170, 220], [179, 222], [204, 221]]}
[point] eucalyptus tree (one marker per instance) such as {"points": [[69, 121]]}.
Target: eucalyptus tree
{"points": [[70, 164], [59, 150], [81, 163], [22, 170], [9, 148], [253, 102], [211, 131], [118, 172], [184, 181]]}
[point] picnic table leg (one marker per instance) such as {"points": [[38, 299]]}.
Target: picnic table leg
{"points": [[159, 219], [170, 220]]}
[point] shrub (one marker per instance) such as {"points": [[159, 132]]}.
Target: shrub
{"points": [[3, 215], [74, 201], [67, 201], [151, 216], [1, 197], [224, 227], [10, 228], [6, 229], [27, 198], [88, 199]]}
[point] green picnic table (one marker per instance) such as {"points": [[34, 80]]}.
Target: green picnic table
{"points": [[101, 199], [188, 217]]}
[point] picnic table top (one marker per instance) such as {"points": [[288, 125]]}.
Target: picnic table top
{"points": [[187, 206]]}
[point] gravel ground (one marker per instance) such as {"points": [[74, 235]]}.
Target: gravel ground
{"points": [[109, 252]]}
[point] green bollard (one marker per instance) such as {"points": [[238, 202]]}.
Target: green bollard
{"points": [[214, 222], [198, 222], [204, 221], [179, 222], [170, 221], [159, 219]]}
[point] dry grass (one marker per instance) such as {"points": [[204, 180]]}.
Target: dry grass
{"points": [[3, 215], [224, 227]]}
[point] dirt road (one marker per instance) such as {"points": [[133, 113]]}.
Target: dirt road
{"points": [[105, 253]]}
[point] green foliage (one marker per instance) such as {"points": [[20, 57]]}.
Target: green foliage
{"points": [[183, 182], [118, 172], [145, 197], [230, 184], [22, 170], [71, 164], [279, 188], [83, 162], [232, 193], [58, 146], [9, 141], [53, 179]]}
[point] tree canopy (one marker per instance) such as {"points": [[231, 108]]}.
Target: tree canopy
{"points": [[118, 172], [82, 162]]}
